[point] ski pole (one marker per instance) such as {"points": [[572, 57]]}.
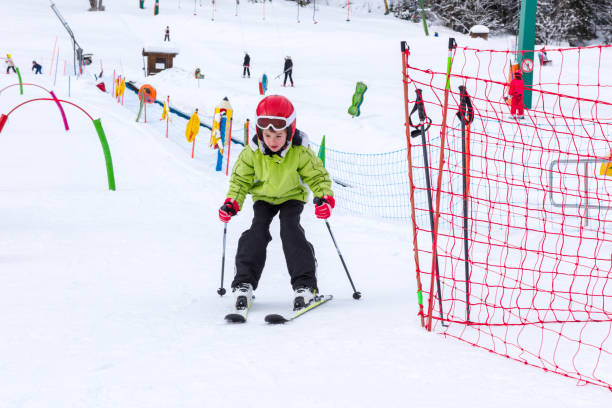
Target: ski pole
{"points": [[284, 72], [221, 290], [356, 294], [422, 127]]}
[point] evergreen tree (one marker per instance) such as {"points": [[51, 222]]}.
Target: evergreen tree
{"points": [[578, 18]]}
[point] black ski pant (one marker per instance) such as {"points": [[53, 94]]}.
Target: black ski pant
{"points": [[9, 68], [167, 37], [246, 71], [299, 253], [288, 75]]}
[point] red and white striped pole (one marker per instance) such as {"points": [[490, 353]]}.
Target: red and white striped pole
{"points": [[348, 15], [52, 56]]}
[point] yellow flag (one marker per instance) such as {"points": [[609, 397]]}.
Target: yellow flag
{"points": [[193, 127], [606, 169], [165, 111]]}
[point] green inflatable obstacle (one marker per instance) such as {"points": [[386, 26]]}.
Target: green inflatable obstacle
{"points": [[357, 99]]}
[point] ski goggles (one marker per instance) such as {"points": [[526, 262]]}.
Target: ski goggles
{"points": [[275, 122]]}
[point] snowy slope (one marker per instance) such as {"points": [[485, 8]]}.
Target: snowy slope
{"points": [[108, 299]]}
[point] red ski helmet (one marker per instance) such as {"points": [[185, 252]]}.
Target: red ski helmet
{"points": [[518, 74], [276, 112]]}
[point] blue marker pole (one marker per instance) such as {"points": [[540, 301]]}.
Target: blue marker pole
{"points": [[222, 134]]}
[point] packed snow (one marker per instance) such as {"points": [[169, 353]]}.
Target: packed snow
{"points": [[108, 298]]}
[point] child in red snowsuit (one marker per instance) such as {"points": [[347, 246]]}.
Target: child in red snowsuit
{"points": [[516, 92]]}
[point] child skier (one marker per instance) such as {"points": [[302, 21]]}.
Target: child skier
{"points": [[167, 34], [272, 168], [37, 68], [10, 64], [288, 70], [517, 87], [246, 64]]}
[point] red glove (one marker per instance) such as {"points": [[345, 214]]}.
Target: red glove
{"points": [[323, 206], [229, 208]]}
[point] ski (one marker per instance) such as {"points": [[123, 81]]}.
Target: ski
{"points": [[279, 319], [239, 315]]}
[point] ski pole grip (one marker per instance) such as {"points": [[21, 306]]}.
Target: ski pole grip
{"points": [[317, 201]]}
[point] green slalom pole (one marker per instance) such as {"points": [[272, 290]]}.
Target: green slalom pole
{"points": [[107, 154], [20, 81], [423, 17], [140, 109]]}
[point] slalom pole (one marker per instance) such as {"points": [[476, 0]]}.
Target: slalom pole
{"points": [[167, 115], [356, 294], [452, 44], [297, 3], [56, 61], [415, 245], [52, 56], [221, 290], [229, 146], [348, 15], [314, 8]]}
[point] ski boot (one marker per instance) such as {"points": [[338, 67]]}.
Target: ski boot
{"points": [[243, 294], [303, 296]]}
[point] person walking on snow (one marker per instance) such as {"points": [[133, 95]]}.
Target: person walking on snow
{"points": [[10, 64], [517, 86], [246, 65], [167, 36], [288, 70], [36, 67], [274, 169]]}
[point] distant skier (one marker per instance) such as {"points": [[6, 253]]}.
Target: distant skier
{"points": [[288, 70], [167, 36], [275, 168], [246, 64], [517, 87], [10, 64], [543, 56], [36, 67]]}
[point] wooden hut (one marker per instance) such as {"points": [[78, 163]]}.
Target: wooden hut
{"points": [[159, 58]]}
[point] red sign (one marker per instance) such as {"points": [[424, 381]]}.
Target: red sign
{"points": [[527, 65]]}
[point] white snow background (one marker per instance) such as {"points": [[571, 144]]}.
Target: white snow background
{"points": [[108, 299]]}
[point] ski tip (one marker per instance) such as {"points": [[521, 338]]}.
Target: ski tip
{"points": [[235, 318], [275, 319]]}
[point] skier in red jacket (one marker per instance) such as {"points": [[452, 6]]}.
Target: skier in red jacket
{"points": [[517, 87]]}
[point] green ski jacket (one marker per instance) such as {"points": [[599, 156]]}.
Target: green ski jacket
{"points": [[278, 178]]}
